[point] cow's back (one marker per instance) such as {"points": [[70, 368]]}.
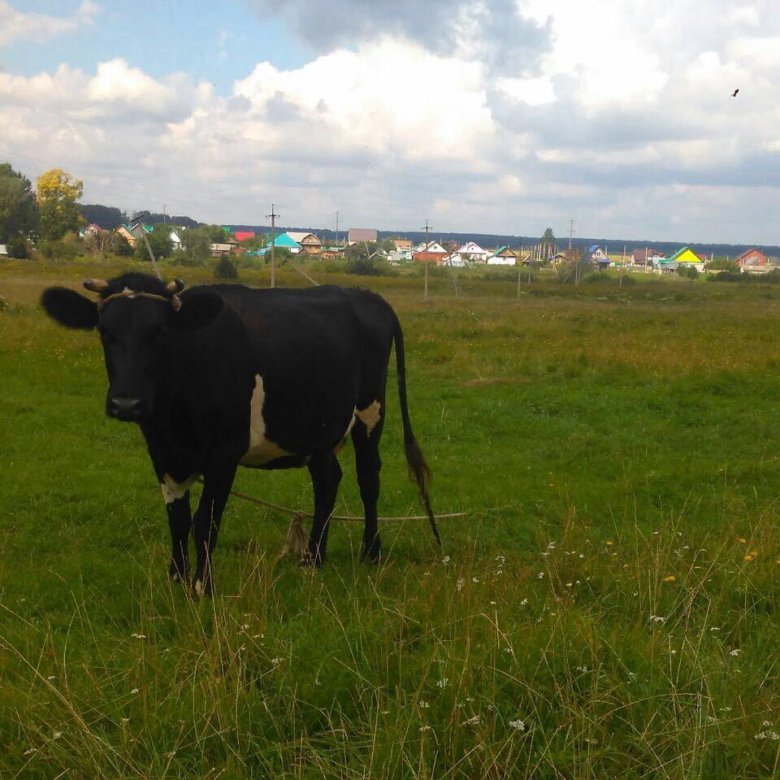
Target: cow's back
{"points": [[317, 353]]}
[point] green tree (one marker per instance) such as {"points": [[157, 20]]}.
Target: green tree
{"points": [[256, 242], [196, 243], [119, 245], [547, 243], [225, 268], [160, 242], [18, 209], [58, 194]]}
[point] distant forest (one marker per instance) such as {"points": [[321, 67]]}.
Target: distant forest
{"points": [[110, 218]]}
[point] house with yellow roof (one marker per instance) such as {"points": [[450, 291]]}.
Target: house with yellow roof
{"points": [[684, 257]]}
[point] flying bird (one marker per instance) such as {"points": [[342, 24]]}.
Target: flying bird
{"points": [[734, 93]]}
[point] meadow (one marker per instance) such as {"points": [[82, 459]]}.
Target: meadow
{"points": [[607, 606]]}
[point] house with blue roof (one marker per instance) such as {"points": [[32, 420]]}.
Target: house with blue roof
{"points": [[598, 256]]}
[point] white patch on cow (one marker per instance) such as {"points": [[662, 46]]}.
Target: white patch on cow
{"points": [[198, 588], [337, 449], [173, 490], [261, 449], [370, 416]]}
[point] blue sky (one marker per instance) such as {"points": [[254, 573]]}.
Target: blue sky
{"points": [[481, 116], [217, 42]]}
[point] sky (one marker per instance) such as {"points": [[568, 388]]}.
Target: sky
{"points": [[479, 116]]}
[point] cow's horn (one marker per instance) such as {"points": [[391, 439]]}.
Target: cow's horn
{"points": [[174, 287], [96, 285]]}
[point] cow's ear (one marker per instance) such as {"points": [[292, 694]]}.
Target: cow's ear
{"points": [[70, 308], [198, 309]]}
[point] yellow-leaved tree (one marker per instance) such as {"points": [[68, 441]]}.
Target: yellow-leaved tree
{"points": [[58, 194]]}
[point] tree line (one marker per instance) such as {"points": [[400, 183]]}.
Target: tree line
{"points": [[50, 216]]}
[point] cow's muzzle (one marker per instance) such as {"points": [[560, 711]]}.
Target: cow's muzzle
{"points": [[124, 408]]}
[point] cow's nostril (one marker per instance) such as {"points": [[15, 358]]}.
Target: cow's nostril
{"points": [[124, 408]]}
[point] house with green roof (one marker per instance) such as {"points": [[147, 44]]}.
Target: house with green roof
{"points": [[282, 241]]}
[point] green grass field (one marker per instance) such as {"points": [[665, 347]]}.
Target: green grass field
{"points": [[608, 606]]}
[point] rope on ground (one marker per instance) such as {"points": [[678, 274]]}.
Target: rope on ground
{"points": [[295, 513], [305, 275]]}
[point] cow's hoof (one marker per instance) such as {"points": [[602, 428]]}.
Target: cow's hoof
{"points": [[201, 589], [373, 555], [177, 574]]}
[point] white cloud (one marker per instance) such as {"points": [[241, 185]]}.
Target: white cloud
{"points": [[623, 119], [17, 26]]}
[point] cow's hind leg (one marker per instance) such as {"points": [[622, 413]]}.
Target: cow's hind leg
{"points": [[368, 465], [325, 477], [179, 522]]}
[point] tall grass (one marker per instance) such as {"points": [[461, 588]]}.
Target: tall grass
{"points": [[608, 607]]}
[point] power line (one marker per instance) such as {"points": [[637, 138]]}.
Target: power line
{"points": [[272, 216]]}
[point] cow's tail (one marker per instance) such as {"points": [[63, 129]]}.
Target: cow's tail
{"points": [[419, 472]]}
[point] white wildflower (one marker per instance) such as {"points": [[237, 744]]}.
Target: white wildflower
{"points": [[772, 735], [30, 751], [424, 705], [517, 725], [657, 619], [524, 603], [443, 683], [134, 691], [735, 652], [426, 728], [139, 636], [459, 584], [446, 559]]}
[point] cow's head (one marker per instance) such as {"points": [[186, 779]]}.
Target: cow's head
{"points": [[137, 317]]}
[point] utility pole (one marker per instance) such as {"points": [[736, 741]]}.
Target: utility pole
{"points": [[427, 230], [337, 229], [273, 215], [571, 231]]}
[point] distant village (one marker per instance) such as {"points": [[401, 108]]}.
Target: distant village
{"points": [[444, 253]]}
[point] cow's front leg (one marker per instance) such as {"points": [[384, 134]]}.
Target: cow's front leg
{"points": [[180, 522], [216, 489]]}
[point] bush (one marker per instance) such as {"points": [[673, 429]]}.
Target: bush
{"points": [[51, 248], [189, 261], [687, 272], [773, 277], [362, 266], [225, 268], [17, 248]]}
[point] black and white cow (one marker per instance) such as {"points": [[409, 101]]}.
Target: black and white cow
{"points": [[224, 375]]}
